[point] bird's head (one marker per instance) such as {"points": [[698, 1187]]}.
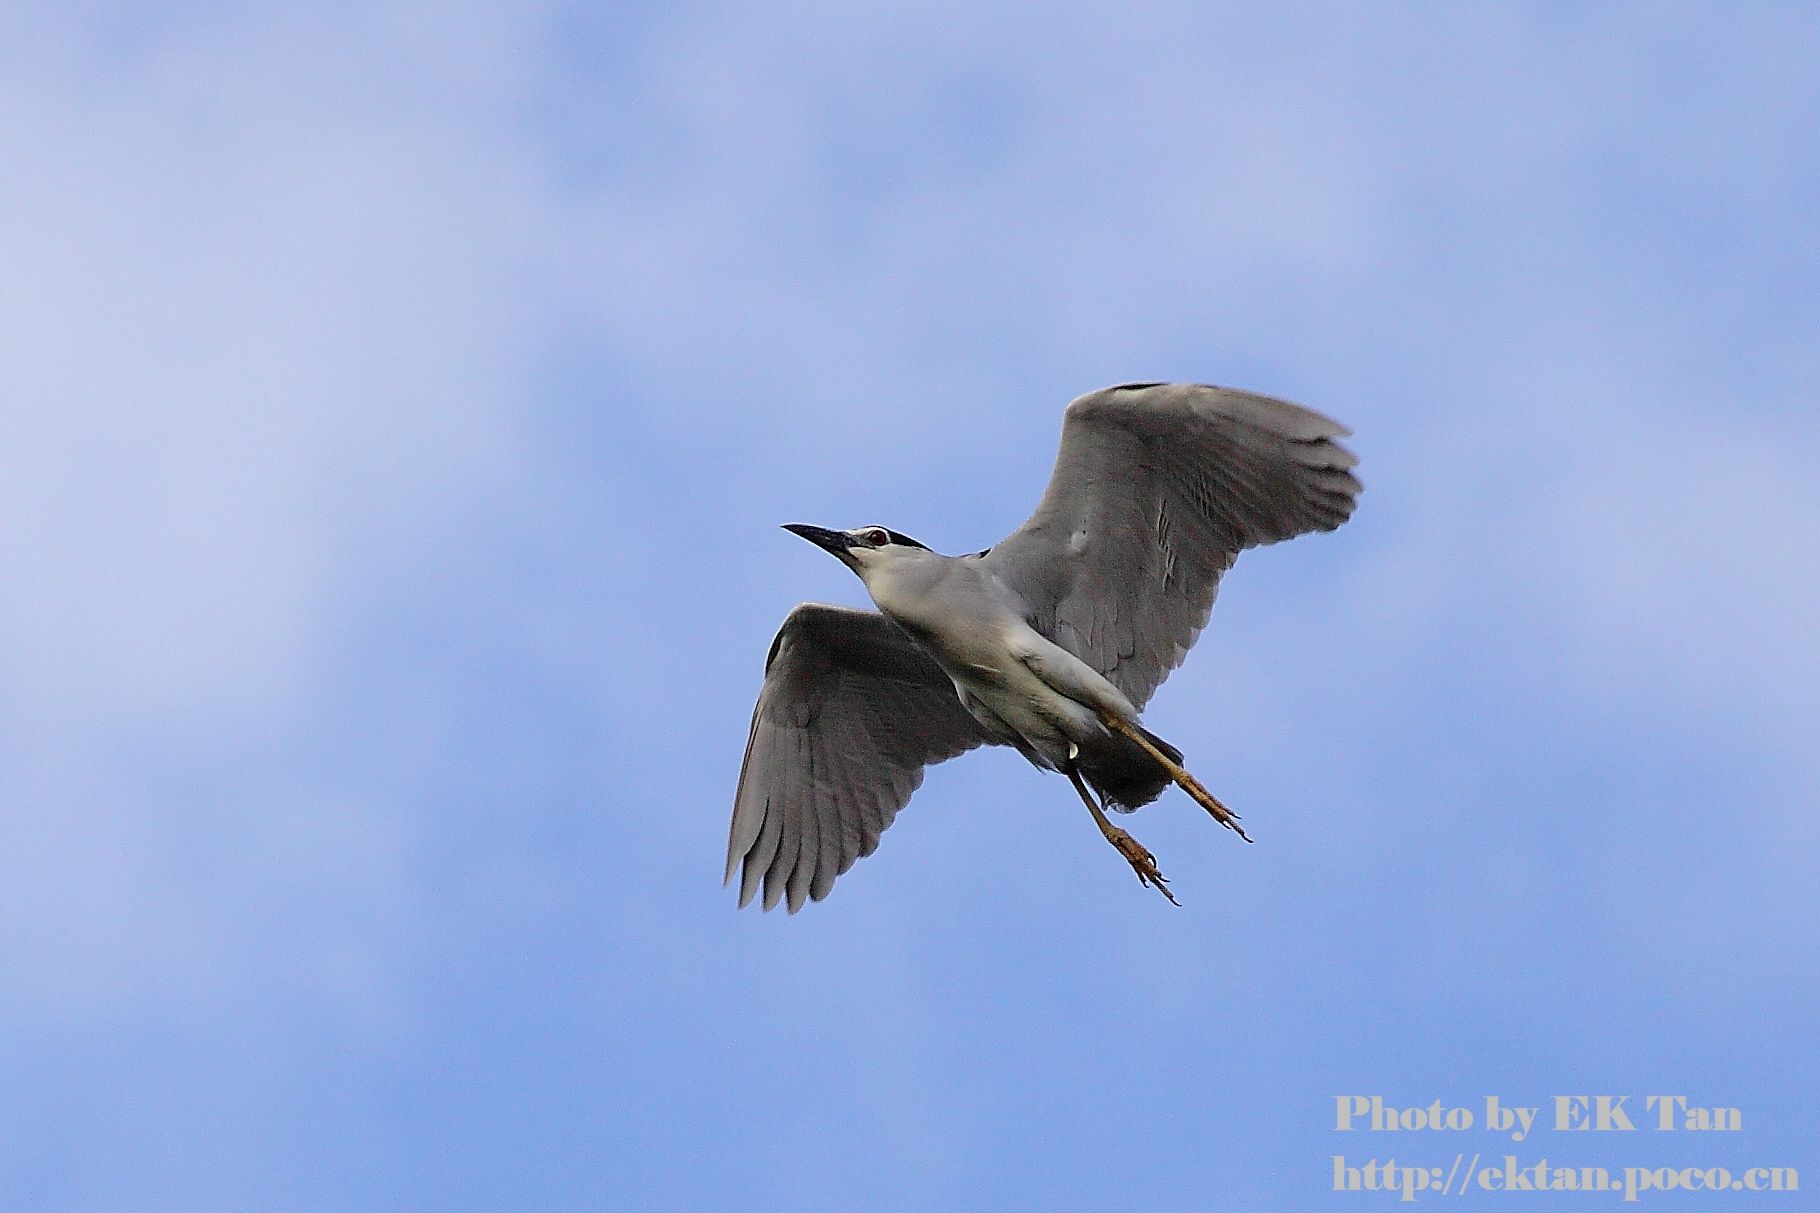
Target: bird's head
{"points": [[865, 549]]}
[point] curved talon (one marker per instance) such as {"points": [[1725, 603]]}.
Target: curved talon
{"points": [[1142, 862]]}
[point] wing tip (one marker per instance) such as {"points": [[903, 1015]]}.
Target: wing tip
{"points": [[1286, 418]]}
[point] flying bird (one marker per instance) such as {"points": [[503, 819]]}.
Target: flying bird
{"points": [[1050, 642]]}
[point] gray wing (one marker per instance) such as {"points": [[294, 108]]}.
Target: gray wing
{"points": [[1157, 489], [850, 714]]}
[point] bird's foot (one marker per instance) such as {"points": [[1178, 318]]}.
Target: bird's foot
{"points": [[1188, 783], [1141, 860], [1220, 812]]}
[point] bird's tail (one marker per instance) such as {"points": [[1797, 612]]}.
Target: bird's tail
{"points": [[1124, 774]]}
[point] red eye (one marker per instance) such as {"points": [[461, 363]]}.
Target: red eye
{"points": [[878, 537]]}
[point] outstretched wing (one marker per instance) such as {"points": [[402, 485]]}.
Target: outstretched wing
{"points": [[850, 714], [1156, 490]]}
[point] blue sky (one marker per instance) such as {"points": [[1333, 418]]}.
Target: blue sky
{"points": [[399, 405]]}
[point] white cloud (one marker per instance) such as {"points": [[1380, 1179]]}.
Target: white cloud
{"points": [[272, 301]]}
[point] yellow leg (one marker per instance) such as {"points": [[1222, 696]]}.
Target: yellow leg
{"points": [[1141, 860], [1183, 779]]}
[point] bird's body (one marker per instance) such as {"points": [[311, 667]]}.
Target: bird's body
{"points": [[1023, 689], [1050, 642]]}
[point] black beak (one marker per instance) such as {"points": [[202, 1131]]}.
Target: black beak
{"points": [[834, 542]]}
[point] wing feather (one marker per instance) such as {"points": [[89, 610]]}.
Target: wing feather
{"points": [[850, 714], [1157, 488]]}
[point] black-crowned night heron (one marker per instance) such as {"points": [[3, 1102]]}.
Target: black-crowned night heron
{"points": [[1050, 642]]}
